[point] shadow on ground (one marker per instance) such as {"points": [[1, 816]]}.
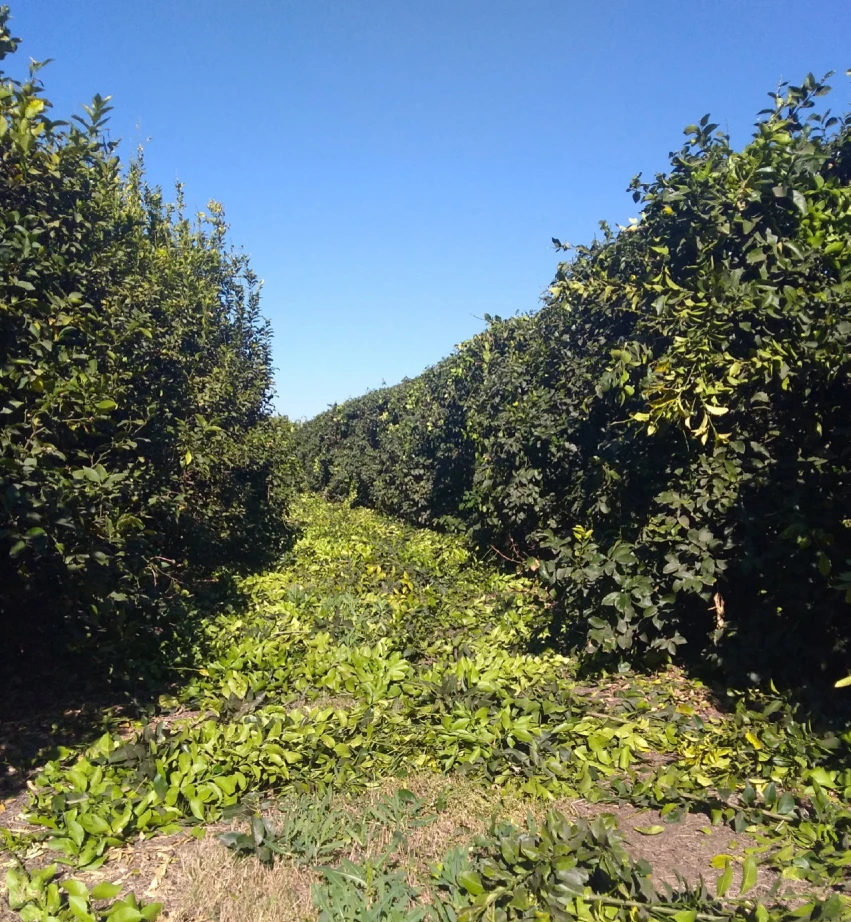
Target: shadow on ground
{"points": [[56, 691]]}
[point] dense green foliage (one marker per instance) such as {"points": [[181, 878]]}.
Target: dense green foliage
{"points": [[667, 440], [666, 443], [137, 445], [379, 651]]}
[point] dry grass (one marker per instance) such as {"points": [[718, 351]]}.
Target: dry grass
{"points": [[201, 881], [467, 810], [209, 885]]}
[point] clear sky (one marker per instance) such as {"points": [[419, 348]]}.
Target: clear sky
{"points": [[396, 169]]}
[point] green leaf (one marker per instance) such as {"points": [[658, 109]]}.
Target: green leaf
{"points": [[786, 804], [799, 200], [160, 786], [719, 862], [94, 824], [649, 830], [196, 807], [725, 880], [471, 882], [124, 912], [573, 880], [79, 906], [105, 891], [749, 872], [76, 888], [16, 885], [822, 778]]}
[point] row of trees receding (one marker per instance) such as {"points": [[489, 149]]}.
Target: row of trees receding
{"points": [[138, 449], [668, 440]]}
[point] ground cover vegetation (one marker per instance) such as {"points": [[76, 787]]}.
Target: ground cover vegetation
{"points": [[379, 651], [138, 449], [367, 719], [666, 441]]}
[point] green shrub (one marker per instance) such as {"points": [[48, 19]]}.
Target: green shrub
{"points": [[135, 377], [666, 440], [402, 450]]}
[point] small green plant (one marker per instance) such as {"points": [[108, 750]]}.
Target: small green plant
{"points": [[400, 812], [38, 897], [308, 830], [368, 892]]}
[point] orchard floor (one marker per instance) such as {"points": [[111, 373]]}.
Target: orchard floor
{"points": [[370, 738]]}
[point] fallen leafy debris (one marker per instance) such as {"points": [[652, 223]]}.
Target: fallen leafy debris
{"points": [[377, 651]]}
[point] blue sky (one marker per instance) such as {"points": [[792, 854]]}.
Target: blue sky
{"points": [[396, 169]]}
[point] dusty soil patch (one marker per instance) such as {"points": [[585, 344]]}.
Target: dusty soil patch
{"points": [[669, 688], [684, 848], [201, 881], [11, 811]]}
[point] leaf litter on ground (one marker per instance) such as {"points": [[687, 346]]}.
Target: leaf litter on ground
{"points": [[378, 651]]}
